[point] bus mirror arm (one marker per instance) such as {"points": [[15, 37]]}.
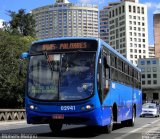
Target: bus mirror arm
{"points": [[23, 56], [20, 67]]}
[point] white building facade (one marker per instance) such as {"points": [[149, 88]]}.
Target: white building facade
{"points": [[128, 30]]}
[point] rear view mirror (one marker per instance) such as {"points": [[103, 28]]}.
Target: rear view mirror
{"points": [[23, 56]]}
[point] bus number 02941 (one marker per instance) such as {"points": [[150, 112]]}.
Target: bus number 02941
{"points": [[67, 108]]}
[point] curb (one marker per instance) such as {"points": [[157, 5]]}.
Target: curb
{"points": [[12, 122]]}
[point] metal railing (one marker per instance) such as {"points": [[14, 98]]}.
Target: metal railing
{"points": [[12, 114]]}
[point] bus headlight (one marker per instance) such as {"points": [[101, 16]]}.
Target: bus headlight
{"points": [[32, 107], [87, 107]]}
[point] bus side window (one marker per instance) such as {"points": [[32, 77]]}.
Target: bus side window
{"points": [[105, 76]]}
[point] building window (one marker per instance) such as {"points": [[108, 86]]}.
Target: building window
{"points": [[134, 9], [123, 9], [148, 69], [154, 81], [155, 96], [154, 75], [154, 69], [142, 10], [143, 75], [119, 10], [142, 62], [143, 82], [148, 62], [148, 75], [149, 81], [130, 16], [154, 62], [130, 10], [142, 69], [138, 9]]}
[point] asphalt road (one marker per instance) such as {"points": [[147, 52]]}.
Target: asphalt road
{"points": [[145, 128]]}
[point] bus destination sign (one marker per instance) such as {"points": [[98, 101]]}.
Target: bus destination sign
{"points": [[63, 46]]}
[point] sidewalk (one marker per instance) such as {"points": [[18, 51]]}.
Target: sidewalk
{"points": [[12, 122]]}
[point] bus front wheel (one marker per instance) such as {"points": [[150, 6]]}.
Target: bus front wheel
{"points": [[108, 128], [55, 127]]}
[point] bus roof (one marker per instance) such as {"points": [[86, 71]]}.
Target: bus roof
{"points": [[64, 38], [89, 38]]}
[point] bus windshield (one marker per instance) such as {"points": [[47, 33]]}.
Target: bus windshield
{"points": [[67, 76]]}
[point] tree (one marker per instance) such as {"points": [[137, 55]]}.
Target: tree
{"points": [[22, 23], [11, 84]]}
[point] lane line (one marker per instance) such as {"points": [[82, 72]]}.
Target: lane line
{"points": [[135, 130]]}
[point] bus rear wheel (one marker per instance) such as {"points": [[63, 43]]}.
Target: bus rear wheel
{"points": [[131, 122], [55, 127]]}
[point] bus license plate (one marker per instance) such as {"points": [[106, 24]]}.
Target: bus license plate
{"points": [[58, 116]]}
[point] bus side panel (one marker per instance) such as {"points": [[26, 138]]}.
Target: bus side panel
{"points": [[121, 95], [106, 115], [137, 99], [106, 110]]}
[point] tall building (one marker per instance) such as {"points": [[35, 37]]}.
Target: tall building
{"points": [[157, 34], [104, 22], [104, 26], [151, 51], [64, 19], [128, 29], [150, 68]]}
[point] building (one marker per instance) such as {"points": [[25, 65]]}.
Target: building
{"points": [[104, 22], [150, 68], [128, 29], [104, 28], [156, 20], [151, 51], [64, 19]]}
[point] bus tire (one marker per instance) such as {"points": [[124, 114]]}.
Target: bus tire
{"points": [[131, 122], [108, 128], [55, 127]]}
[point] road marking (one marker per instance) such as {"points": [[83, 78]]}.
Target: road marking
{"points": [[135, 130], [152, 133]]}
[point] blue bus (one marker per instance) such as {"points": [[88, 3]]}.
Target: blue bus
{"points": [[78, 80]]}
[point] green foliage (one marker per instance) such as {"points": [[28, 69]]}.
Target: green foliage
{"points": [[21, 23], [11, 84]]}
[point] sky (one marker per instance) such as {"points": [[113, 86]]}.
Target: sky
{"points": [[28, 5]]}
